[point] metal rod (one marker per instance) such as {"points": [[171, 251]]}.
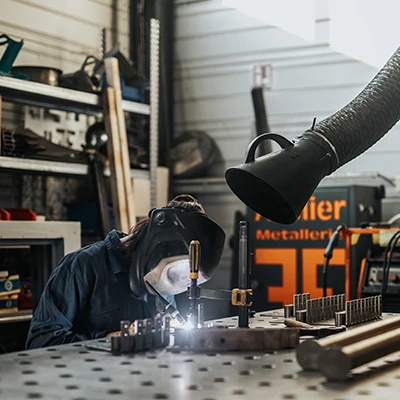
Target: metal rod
{"points": [[243, 280], [309, 352], [348, 251], [336, 363], [154, 106], [200, 313]]}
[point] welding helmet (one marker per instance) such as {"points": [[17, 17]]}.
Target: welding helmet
{"points": [[163, 250]]}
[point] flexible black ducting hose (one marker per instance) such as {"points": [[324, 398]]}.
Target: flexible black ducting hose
{"points": [[278, 185], [365, 120]]}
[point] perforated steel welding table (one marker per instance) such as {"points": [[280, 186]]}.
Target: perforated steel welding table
{"points": [[76, 373]]}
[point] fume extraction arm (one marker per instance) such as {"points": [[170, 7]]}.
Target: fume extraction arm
{"points": [[279, 184]]}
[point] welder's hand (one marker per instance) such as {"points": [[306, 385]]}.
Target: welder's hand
{"points": [[118, 333]]}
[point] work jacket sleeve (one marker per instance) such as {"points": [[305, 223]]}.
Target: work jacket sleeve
{"points": [[61, 307]]}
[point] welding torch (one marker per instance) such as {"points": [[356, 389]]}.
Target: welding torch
{"points": [[169, 307], [193, 289]]}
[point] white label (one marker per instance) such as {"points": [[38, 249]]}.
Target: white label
{"points": [[8, 285]]}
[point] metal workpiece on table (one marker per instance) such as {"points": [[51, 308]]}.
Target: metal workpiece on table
{"points": [[362, 310], [301, 315], [340, 318], [225, 339], [288, 311], [336, 364], [300, 301], [308, 353]]}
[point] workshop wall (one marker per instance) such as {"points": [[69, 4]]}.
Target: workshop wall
{"points": [[58, 34], [216, 48]]}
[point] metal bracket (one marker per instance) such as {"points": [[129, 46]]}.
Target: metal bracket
{"points": [[242, 297]]}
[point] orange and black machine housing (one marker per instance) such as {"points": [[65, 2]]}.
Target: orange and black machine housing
{"points": [[288, 259], [372, 269]]}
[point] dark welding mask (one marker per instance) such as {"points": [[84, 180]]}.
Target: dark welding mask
{"points": [[162, 255]]}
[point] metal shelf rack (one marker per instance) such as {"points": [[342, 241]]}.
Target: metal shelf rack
{"points": [[56, 168], [41, 95]]}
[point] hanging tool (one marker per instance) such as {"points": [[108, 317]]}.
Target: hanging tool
{"points": [[169, 307], [193, 290], [333, 242], [9, 56]]}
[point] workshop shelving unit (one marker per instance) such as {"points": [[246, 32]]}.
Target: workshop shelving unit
{"points": [[41, 95]]}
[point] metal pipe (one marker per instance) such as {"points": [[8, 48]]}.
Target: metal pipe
{"points": [[348, 267], [308, 353], [243, 280], [154, 106], [335, 364]]}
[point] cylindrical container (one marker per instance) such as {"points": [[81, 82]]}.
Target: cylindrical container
{"points": [[45, 75]]}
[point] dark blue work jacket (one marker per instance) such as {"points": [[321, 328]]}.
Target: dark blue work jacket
{"points": [[87, 296]]}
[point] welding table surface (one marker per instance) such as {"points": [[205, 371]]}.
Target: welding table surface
{"points": [[76, 373]]}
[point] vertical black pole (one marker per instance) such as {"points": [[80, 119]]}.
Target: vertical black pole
{"points": [[260, 113], [243, 270]]}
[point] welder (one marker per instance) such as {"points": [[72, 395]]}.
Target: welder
{"points": [[94, 288]]}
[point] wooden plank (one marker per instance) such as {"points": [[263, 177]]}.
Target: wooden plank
{"points": [[113, 80], [115, 159]]}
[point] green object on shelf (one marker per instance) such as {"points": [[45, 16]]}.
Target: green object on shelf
{"points": [[9, 56]]}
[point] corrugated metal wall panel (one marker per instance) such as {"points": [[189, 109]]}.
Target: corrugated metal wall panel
{"points": [[216, 49], [61, 33]]}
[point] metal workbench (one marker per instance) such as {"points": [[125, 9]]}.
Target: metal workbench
{"points": [[76, 372]]}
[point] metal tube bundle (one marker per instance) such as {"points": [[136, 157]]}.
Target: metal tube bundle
{"points": [[311, 354], [336, 363]]}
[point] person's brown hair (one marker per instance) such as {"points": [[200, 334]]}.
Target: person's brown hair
{"points": [[184, 202]]}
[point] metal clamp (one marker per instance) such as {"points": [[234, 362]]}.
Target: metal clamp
{"points": [[242, 297]]}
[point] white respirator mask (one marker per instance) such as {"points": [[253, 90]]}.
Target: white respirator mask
{"points": [[172, 275]]}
